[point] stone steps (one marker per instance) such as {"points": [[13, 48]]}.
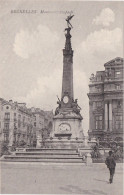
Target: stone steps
{"points": [[49, 150], [44, 155], [48, 154], [46, 160], [40, 157]]}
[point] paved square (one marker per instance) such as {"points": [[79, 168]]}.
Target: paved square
{"points": [[39, 178]]}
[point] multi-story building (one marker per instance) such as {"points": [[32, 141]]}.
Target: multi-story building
{"points": [[16, 123], [39, 119], [106, 102], [43, 121], [21, 124]]}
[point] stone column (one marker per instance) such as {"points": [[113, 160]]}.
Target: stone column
{"points": [[106, 116], [38, 142], [110, 116], [91, 120], [11, 129]]}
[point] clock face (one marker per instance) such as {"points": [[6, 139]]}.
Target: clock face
{"points": [[65, 99]]}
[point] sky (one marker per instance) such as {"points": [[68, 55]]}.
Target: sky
{"points": [[31, 58]]}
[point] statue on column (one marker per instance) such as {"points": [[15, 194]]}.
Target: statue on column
{"points": [[68, 21]]}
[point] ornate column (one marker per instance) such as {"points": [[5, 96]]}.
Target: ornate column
{"points": [[106, 116], [91, 119], [110, 116]]}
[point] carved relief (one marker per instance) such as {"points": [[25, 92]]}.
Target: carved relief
{"points": [[64, 128]]}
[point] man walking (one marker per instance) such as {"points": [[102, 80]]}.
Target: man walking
{"points": [[110, 162]]}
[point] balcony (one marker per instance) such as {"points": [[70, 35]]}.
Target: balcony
{"points": [[6, 130], [109, 79], [6, 119]]}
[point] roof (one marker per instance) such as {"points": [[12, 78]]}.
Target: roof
{"points": [[115, 61]]}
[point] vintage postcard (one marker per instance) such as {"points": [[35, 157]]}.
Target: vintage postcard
{"points": [[61, 97]]}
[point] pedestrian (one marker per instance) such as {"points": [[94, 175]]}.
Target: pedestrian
{"points": [[111, 164]]}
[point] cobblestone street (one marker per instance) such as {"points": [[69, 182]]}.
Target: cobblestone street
{"points": [[40, 178]]}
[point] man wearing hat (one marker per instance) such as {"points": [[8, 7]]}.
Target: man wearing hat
{"points": [[110, 162]]}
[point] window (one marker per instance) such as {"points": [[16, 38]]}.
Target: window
{"points": [[98, 88], [6, 137], [119, 104], [98, 104], [19, 116], [98, 122], [119, 122], [24, 121], [15, 126], [94, 105], [98, 78], [35, 124], [6, 126], [14, 115], [19, 124], [117, 74], [7, 115], [118, 87]]}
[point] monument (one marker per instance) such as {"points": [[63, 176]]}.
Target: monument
{"points": [[67, 129], [67, 122]]}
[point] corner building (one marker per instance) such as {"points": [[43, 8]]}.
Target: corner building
{"points": [[106, 102], [16, 123]]}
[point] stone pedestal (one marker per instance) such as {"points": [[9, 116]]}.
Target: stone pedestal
{"points": [[67, 130], [67, 124]]}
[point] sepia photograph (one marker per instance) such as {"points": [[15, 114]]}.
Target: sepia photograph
{"points": [[61, 97]]}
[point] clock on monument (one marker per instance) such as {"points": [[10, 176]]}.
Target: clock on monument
{"points": [[65, 99]]}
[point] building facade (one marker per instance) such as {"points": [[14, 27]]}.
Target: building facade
{"points": [[106, 102], [43, 121], [16, 123], [19, 124]]}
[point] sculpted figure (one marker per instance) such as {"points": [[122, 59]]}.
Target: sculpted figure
{"points": [[92, 77], [75, 107], [58, 108], [68, 21]]}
